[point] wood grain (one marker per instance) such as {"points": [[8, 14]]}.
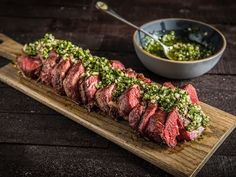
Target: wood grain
{"points": [[110, 40], [184, 160], [87, 11]]}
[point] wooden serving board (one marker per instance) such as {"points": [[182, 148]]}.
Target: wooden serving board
{"points": [[186, 159]]}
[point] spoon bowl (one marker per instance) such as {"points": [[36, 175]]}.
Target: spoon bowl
{"points": [[180, 69]]}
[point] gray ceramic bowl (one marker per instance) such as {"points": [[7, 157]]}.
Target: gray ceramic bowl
{"points": [[180, 69]]}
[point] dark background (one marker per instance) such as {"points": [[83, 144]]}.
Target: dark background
{"points": [[37, 141]]}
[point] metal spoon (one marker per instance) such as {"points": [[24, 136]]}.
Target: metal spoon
{"points": [[104, 7]]}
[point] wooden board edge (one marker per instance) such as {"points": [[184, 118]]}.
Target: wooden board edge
{"points": [[213, 150], [230, 116]]}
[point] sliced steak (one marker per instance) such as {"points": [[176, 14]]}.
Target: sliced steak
{"points": [[130, 72], [104, 98], [171, 130], [135, 116], [169, 85], [30, 66], [82, 95], [88, 90], [184, 133], [190, 135], [48, 65], [192, 93], [71, 80], [58, 74], [150, 110], [117, 64], [128, 100], [143, 78], [156, 125]]}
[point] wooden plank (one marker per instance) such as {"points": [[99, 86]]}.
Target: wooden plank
{"points": [[141, 11], [120, 46], [46, 130], [115, 35], [31, 160], [22, 105], [228, 148], [70, 3], [184, 160], [219, 166]]}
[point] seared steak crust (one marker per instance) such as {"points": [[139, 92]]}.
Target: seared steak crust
{"points": [[58, 74], [71, 80], [48, 65], [29, 66]]}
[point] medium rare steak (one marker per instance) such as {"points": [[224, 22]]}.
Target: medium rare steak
{"points": [[143, 78], [104, 98], [48, 65], [171, 130], [90, 89], [190, 135], [128, 100], [130, 72], [156, 125], [192, 93], [135, 116], [184, 133], [82, 95], [30, 66], [150, 110], [162, 113], [117, 64], [58, 74], [70, 82]]}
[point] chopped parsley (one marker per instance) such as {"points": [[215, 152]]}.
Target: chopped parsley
{"points": [[182, 49]]}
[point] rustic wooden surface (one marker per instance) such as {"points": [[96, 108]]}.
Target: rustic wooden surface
{"points": [[185, 160], [56, 146]]}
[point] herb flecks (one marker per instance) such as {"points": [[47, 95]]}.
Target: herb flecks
{"points": [[182, 49], [167, 98]]}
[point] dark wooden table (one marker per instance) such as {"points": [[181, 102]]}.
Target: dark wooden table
{"points": [[37, 141]]}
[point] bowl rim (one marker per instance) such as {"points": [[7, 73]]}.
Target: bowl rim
{"points": [[175, 61]]}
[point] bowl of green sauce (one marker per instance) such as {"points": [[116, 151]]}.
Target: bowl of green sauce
{"points": [[196, 47]]}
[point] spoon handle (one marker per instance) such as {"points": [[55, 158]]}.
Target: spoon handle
{"points": [[104, 7]]}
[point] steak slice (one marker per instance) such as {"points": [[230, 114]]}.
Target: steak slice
{"points": [[190, 135], [89, 90], [192, 93], [184, 133], [103, 98], [48, 65], [171, 130], [150, 110], [156, 125], [135, 116], [71, 80], [82, 95], [30, 66], [169, 85], [143, 78], [58, 74], [117, 64], [130, 72], [128, 100]]}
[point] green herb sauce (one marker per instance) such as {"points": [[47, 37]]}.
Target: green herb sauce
{"points": [[182, 49], [167, 98]]}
